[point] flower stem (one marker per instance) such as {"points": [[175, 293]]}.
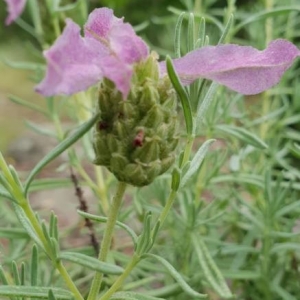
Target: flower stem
{"points": [[266, 96], [107, 238], [36, 226], [102, 189], [172, 195], [64, 274], [167, 207], [118, 283], [187, 150]]}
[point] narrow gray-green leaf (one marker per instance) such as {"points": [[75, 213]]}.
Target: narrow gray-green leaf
{"points": [[15, 177], [285, 247], [91, 263], [23, 65], [182, 94], [210, 269], [289, 208], [51, 295], [252, 179], [141, 26], [202, 29], [26, 224], [166, 291], [15, 272], [65, 144], [67, 7], [39, 129], [208, 17], [5, 194], [132, 296], [175, 179], [34, 264], [104, 220], [35, 292], [282, 292], [177, 40], [243, 135], [50, 183], [205, 104], [53, 229], [173, 272], [4, 280], [196, 162], [13, 233], [241, 274], [27, 104], [4, 181], [191, 32], [23, 272], [266, 14], [3, 276], [226, 30]]}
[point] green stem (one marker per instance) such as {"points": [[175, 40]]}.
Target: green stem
{"points": [[87, 179], [84, 9], [36, 226], [187, 150], [269, 4], [172, 195], [266, 99], [36, 20], [167, 207], [55, 24], [102, 189], [118, 283], [72, 287], [107, 238], [58, 128]]}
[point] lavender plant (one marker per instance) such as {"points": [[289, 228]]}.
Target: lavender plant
{"points": [[134, 124]]}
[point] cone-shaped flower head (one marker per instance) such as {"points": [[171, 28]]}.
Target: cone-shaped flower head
{"points": [[14, 8], [135, 139]]}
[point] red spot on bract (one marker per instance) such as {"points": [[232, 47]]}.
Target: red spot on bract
{"points": [[102, 125], [139, 139]]}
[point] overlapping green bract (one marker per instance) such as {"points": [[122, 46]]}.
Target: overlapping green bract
{"points": [[135, 139]]}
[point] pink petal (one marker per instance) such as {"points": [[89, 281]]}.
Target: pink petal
{"points": [[14, 8], [72, 63], [117, 35], [241, 68], [108, 50]]}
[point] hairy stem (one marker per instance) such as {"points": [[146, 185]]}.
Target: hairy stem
{"points": [[118, 283], [107, 238]]}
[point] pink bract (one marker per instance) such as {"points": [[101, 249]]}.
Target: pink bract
{"points": [[110, 48], [243, 69], [14, 8]]}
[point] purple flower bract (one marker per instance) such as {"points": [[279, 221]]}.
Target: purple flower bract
{"points": [[241, 68], [110, 48], [15, 8]]}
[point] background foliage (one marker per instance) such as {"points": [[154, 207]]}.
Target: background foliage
{"points": [[244, 202]]}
